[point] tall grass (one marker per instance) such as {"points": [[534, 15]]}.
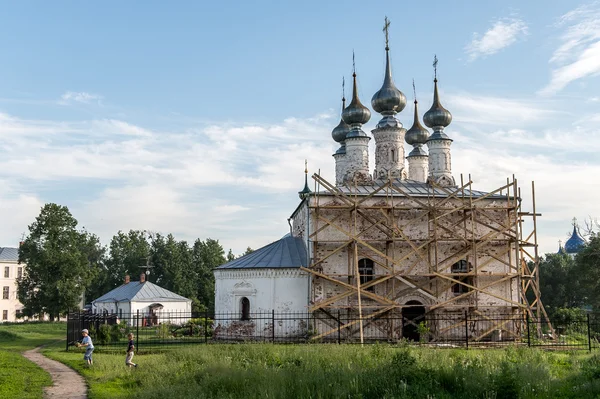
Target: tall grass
{"points": [[335, 371]]}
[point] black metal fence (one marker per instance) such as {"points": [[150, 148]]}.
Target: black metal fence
{"points": [[160, 329]]}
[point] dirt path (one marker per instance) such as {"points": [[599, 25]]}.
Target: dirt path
{"points": [[67, 383]]}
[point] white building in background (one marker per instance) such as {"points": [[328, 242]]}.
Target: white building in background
{"points": [[269, 279], [152, 303], [10, 272]]}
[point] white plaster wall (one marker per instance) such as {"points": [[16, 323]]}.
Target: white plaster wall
{"points": [[357, 158], [389, 152], [418, 168], [282, 290], [440, 162]]}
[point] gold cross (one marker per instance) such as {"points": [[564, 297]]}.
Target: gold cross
{"points": [[386, 27]]}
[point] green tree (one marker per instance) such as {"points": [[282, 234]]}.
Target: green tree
{"points": [[230, 255], [247, 251], [587, 273], [557, 282], [207, 255], [61, 262], [173, 265], [126, 253]]}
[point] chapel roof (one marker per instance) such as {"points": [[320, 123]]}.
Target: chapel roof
{"points": [[9, 254], [287, 252], [142, 292]]}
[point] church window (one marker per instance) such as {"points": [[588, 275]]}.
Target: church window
{"points": [[365, 270], [462, 266], [19, 272], [392, 155], [5, 315], [120, 313], [6, 271], [4, 292], [245, 305]]}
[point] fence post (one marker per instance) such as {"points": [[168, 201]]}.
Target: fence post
{"points": [[68, 327], [466, 330], [206, 326], [589, 333], [528, 330], [273, 329], [339, 327], [137, 331]]}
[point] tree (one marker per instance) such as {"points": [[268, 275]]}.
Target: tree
{"points": [[248, 251], [207, 255], [557, 282], [126, 253], [230, 255], [173, 266], [61, 262], [587, 271]]}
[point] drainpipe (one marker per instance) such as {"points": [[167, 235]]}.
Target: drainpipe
{"points": [[308, 248]]}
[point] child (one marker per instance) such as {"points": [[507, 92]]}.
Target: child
{"points": [[130, 348], [89, 347]]}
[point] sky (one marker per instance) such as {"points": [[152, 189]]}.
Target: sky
{"points": [[195, 118]]}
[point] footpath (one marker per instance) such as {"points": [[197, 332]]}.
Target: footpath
{"points": [[67, 384]]}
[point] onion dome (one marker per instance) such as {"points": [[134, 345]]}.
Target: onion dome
{"points": [[342, 129], [417, 134], [574, 244], [356, 113], [305, 193], [437, 116], [388, 100]]}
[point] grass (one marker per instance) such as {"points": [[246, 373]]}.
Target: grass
{"points": [[332, 371], [20, 378]]}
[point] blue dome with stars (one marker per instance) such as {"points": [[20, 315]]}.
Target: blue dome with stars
{"points": [[574, 244]]}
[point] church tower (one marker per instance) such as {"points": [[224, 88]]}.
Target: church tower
{"points": [[389, 133], [437, 118], [357, 141], [339, 135], [418, 159]]}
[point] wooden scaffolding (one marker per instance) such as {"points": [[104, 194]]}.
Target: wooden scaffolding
{"points": [[415, 239]]}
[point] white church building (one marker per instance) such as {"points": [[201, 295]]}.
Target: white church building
{"points": [[382, 252]]}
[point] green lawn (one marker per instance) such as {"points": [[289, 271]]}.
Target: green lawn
{"points": [[339, 371], [20, 378]]}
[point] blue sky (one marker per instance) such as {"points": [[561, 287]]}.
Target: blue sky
{"points": [[195, 118]]}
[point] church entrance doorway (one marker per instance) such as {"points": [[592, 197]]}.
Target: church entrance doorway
{"points": [[412, 315]]}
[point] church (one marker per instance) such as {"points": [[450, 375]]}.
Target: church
{"points": [[398, 251]]}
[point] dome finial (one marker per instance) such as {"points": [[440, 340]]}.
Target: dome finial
{"points": [[305, 193], [386, 27], [342, 129], [437, 117], [417, 135], [388, 100], [356, 114]]}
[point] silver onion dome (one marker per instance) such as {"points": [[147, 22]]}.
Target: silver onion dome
{"points": [[417, 134], [356, 113], [437, 116], [388, 100], [342, 129]]}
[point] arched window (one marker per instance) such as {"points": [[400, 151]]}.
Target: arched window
{"points": [[392, 155], [245, 307], [460, 267], [365, 269]]}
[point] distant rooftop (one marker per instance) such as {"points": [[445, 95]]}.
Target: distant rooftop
{"points": [[288, 252], [143, 292], [9, 254]]}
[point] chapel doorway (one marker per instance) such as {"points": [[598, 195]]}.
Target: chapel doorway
{"points": [[412, 315]]}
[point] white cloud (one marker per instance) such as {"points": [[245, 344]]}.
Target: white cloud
{"points": [[79, 97], [502, 34], [203, 182], [578, 55]]}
